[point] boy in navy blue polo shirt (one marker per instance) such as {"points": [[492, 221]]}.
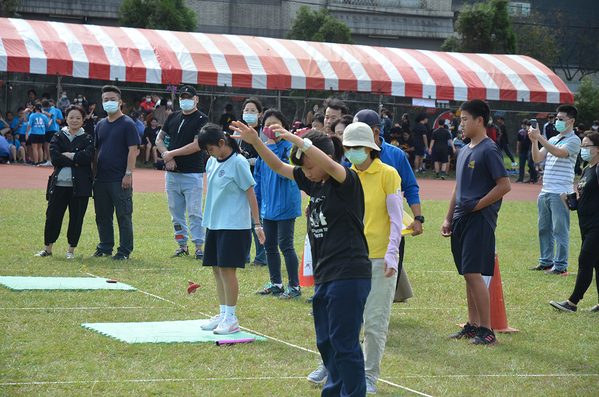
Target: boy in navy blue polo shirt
{"points": [[481, 182]]}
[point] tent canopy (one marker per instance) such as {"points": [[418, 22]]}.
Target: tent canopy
{"points": [[163, 57]]}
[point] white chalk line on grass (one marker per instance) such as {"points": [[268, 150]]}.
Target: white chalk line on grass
{"points": [[71, 382], [82, 308], [261, 334]]}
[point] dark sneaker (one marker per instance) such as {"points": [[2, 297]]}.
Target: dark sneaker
{"points": [[291, 293], [309, 300], [594, 309], [519, 181], [540, 266], [43, 254], [256, 263], [468, 331], [437, 176], [180, 252], [556, 272], [199, 254], [119, 256], [443, 175], [100, 254], [484, 336], [564, 306], [270, 288]]}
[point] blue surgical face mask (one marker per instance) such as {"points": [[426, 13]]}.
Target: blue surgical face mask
{"points": [[586, 155], [250, 118], [187, 104], [111, 107], [560, 126], [356, 155]]}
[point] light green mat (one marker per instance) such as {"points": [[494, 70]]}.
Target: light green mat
{"points": [[61, 283], [187, 331]]}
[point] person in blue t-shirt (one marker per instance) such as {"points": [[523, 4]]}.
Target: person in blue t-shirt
{"points": [[55, 116], [228, 233], [36, 133], [116, 143], [5, 124]]}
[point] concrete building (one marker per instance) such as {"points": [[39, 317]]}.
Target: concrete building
{"points": [[420, 24], [105, 12]]}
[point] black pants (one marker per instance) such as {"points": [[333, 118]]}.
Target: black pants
{"points": [[57, 205], [587, 261]]}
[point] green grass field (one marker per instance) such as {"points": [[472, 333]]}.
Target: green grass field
{"points": [[44, 351]]}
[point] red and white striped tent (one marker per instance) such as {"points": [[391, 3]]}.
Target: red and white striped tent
{"points": [[162, 57]]}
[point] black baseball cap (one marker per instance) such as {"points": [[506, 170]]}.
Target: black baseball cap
{"points": [[189, 90]]}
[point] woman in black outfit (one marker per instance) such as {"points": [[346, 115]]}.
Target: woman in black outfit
{"points": [[70, 185], [588, 219]]}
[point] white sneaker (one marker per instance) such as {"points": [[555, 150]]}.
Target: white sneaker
{"points": [[514, 164], [70, 255], [227, 326], [212, 323], [370, 388], [319, 375]]}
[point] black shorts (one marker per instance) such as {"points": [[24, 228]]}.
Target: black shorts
{"points": [[36, 139], [22, 138], [473, 244], [418, 151], [439, 156], [49, 135], [227, 248]]}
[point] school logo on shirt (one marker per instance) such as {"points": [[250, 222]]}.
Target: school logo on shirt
{"points": [[471, 165], [221, 173]]}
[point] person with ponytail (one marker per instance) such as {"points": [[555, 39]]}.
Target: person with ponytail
{"points": [[342, 268], [230, 186], [588, 221]]}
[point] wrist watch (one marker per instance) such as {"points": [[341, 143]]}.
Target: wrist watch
{"points": [[128, 172], [307, 145], [419, 218]]}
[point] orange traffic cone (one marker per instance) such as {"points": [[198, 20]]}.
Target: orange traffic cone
{"points": [[498, 316], [306, 277]]}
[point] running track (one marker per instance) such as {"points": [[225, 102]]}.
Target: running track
{"points": [[19, 176]]}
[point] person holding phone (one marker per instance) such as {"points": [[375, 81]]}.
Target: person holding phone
{"points": [[560, 153]]}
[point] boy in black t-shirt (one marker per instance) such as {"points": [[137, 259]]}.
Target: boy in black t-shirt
{"points": [[481, 182], [439, 148]]}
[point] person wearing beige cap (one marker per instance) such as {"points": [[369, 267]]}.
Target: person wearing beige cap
{"points": [[382, 227]]}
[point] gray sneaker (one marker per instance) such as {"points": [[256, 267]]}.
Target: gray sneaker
{"points": [[370, 388], [319, 375]]}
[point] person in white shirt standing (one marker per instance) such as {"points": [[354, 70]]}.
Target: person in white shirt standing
{"points": [[560, 153]]}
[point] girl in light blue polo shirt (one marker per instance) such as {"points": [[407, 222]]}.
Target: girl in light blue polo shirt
{"points": [[229, 209]]}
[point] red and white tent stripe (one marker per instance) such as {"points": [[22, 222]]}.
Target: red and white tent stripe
{"points": [[162, 57]]}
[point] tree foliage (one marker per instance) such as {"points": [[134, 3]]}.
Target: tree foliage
{"points": [[8, 8], [537, 37], [587, 101], [320, 26], [484, 28], [158, 14], [562, 45]]}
